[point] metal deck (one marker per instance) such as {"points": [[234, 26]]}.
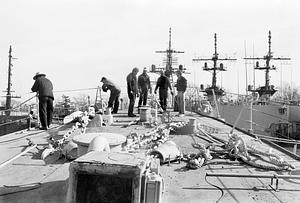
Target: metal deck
{"points": [[30, 179]]}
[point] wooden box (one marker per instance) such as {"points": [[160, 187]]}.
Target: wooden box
{"points": [[106, 177]]}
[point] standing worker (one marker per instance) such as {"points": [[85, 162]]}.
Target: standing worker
{"points": [[181, 85], [115, 91], [163, 83], [132, 90], [144, 85], [44, 89]]}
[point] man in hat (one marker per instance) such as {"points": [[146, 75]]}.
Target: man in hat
{"points": [[144, 86], [163, 83], [44, 89], [181, 85], [115, 92], [132, 90]]}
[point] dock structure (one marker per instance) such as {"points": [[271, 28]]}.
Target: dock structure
{"points": [[28, 178]]}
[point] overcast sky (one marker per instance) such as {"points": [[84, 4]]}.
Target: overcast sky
{"points": [[76, 42]]}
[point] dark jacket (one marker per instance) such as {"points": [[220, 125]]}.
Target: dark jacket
{"points": [[144, 82], [163, 83], [109, 85], [132, 83], [43, 87], [181, 84]]}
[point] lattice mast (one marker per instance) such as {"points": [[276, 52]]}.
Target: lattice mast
{"points": [[215, 58], [8, 95], [268, 90], [9, 83], [169, 58]]}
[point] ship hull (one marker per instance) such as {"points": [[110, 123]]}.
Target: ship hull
{"points": [[263, 118]]}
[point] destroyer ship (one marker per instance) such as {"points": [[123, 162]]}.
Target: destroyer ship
{"points": [[156, 158], [256, 112]]}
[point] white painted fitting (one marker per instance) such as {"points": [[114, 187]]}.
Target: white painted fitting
{"points": [[99, 144]]}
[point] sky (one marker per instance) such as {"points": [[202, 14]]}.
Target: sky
{"points": [[76, 42]]}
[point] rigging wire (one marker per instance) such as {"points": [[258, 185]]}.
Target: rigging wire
{"points": [[75, 90], [18, 105], [262, 112], [276, 139]]}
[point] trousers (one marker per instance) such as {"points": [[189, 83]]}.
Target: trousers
{"points": [[180, 100], [114, 101], [45, 111]]}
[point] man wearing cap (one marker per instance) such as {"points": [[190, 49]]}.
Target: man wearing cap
{"points": [[163, 83], [181, 85], [132, 90], [144, 85], [115, 92], [44, 89]]}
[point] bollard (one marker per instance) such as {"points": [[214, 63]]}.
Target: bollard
{"points": [[108, 111], [295, 148], [145, 113], [155, 113], [29, 123]]}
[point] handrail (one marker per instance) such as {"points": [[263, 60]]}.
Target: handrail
{"points": [[281, 140], [17, 105], [15, 121], [74, 90]]}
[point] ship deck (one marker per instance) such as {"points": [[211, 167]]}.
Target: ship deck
{"points": [[30, 179]]}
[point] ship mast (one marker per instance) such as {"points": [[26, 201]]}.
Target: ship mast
{"points": [[9, 84], [268, 90], [169, 60], [215, 58]]}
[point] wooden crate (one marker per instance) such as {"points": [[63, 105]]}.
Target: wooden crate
{"points": [[106, 177]]}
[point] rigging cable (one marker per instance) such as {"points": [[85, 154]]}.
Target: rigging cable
{"points": [[74, 90], [18, 105]]}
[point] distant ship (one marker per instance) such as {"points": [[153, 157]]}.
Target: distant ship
{"points": [[257, 112]]}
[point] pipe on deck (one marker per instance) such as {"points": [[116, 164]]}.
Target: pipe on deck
{"points": [[253, 175]]}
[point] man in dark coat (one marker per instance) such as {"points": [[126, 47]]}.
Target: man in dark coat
{"points": [[181, 86], [115, 92], [132, 90], [144, 86], [163, 83], [44, 89]]}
